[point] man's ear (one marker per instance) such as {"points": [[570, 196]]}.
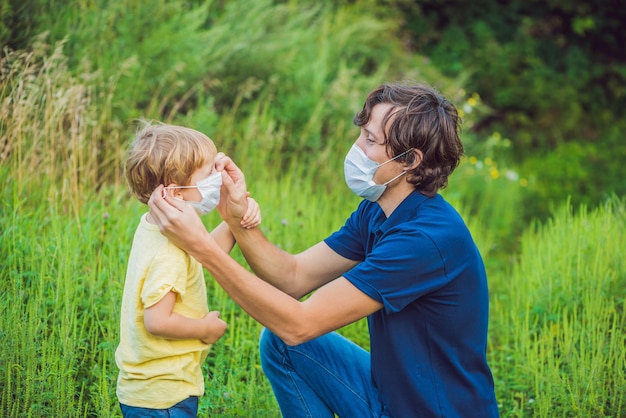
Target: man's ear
{"points": [[417, 159]]}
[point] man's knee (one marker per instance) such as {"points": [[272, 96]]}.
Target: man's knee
{"points": [[268, 343]]}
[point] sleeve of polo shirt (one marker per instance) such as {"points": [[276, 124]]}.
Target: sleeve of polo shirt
{"points": [[403, 267], [347, 241], [168, 271]]}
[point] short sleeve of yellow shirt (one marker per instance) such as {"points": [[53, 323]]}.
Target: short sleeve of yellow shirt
{"points": [[157, 372], [167, 271]]}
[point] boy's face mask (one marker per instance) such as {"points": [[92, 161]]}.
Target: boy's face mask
{"points": [[359, 171], [209, 189]]}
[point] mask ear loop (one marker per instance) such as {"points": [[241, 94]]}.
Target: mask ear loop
{"points": [[404, 170], [396, 157], [176, 187], [396, 177]]}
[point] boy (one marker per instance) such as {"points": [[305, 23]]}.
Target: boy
{"points": [[166, 329]]}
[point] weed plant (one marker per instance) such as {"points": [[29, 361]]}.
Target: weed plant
{"points": [[558, 321], [280, 101]]}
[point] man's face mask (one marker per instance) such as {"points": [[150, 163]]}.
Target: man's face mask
{"points": [[209, 189], [359, 171]]}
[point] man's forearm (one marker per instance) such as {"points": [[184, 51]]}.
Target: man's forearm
{"points": [[269, 262], [269, 306]]}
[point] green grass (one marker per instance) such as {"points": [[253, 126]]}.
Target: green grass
{"points": [[558, 320], [283, 111]]}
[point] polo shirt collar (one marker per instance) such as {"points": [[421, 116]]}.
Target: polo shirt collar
{"points": [[405, 210]]}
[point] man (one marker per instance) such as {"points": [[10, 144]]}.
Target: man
{"points": [[404, 259]]}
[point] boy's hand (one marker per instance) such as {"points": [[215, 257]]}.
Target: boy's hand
{"points": [[214, 327], [252, 218]]}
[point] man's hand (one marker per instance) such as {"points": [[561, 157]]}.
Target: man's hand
{"points": [[177, 220], [233, 199]]}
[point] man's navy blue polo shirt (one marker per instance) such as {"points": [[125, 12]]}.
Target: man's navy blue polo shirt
{"points": [[428, 342]]}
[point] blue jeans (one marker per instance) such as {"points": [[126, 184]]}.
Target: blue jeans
{"points": [[322, 377], [187, 408]]}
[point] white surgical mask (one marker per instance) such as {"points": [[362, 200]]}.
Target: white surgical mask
{"points": [[209, 189], [359, 171]]}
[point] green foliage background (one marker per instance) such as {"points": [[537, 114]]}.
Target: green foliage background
{"points": [[553, 76], [275, 84]]}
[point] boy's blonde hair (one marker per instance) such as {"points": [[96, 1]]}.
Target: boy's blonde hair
{"points": [[165, 154]]}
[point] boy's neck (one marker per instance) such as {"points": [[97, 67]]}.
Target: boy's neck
{"points": [[149, 219]]}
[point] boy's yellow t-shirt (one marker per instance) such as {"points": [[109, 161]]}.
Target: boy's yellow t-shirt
{"points": [[157, 372]]}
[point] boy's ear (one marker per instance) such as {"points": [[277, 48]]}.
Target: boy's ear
{"points": [[178, 193]]}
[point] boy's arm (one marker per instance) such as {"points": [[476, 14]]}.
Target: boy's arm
{"points": [[160, 320], [225, 239]]}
